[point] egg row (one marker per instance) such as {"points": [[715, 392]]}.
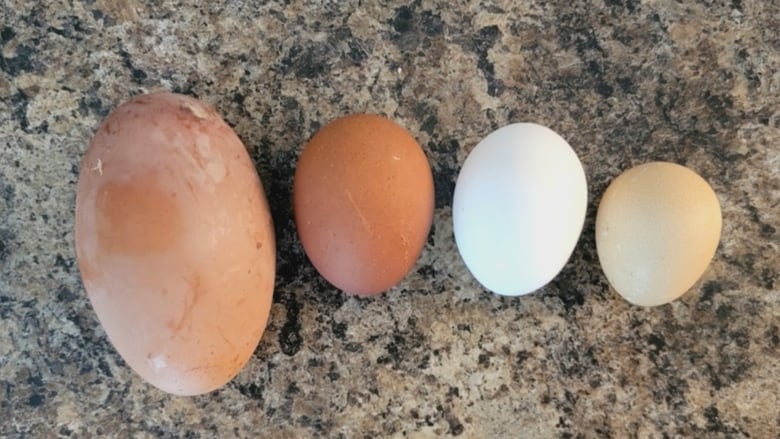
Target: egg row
{"points": [[363, 202], [175, 242]]}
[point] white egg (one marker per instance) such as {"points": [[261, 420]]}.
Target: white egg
{"points": [[519, 208]]}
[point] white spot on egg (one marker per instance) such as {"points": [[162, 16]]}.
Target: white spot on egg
{"points": [[158, 362], [98, 167]]}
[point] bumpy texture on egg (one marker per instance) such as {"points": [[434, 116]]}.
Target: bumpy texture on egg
{"points": [[657, 228], [175, 242]]}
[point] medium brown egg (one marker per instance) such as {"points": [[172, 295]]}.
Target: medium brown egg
{"points": [[175, 242], [363, 200], [657, 228]]}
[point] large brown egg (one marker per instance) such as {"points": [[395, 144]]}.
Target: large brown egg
{"points": [[363, 200], [175, 242]]}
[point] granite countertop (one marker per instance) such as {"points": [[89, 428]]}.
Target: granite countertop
{"points": [[697, 83]]}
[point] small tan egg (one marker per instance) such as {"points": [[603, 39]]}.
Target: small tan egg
{"points": [[175, 242], [657, 229]]}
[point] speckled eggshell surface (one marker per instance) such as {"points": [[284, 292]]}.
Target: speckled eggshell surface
{"points": [[657, 228]]}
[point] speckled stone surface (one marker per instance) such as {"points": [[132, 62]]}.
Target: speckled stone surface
{"points": [[697, 83]]}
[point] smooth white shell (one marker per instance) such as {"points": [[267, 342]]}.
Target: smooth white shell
{"points": [[519, 208]]}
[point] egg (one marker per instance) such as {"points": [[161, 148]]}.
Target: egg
{"points": [[657, 229], [363, 200], [174, 242], [518, 208]]}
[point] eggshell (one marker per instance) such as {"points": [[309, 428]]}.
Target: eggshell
{"points": [[363, 200], [175, 242], [657, 229], [519, 207]]}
